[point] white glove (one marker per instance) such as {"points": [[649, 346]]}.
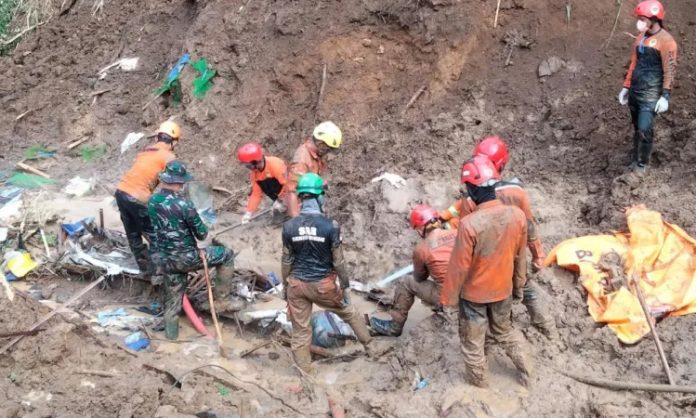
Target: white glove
{"points": [[662, 105], [246, 218], [279, 206], [395, 180], [623, 97]]}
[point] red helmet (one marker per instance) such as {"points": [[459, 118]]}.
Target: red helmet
{"points": [[249, 153], [650, 8], [479, 171], [494, 148], [422, 215]]}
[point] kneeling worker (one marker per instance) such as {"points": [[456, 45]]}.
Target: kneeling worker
{"points": [[179, 233], [268, 176], [312, 259], [430, 259]]}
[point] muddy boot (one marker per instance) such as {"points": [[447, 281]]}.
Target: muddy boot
{"points": [[518, 359], [303, 358], [387, 327], [477, 376], [538, 314], [171, 328], [376, 348]]}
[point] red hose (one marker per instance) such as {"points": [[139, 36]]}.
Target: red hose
{"points": [[194, 318]]}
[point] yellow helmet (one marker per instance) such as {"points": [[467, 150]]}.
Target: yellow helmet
{"points": [[170, 128], [328, 133]]}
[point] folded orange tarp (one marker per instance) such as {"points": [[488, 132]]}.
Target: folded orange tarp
{"points": [[661, 255]]}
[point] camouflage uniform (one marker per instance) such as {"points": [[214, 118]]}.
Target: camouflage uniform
{"points": [[177, 226]]}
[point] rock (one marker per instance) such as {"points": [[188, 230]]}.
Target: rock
{"points": [[367, 42], [592, 188], [550, 66]]}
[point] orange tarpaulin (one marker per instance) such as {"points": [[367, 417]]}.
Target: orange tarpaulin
{"points": [[660, 255]]}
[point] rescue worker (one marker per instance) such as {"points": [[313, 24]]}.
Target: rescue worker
{"points": [[311, 262], [648, 84], [486, 271], [268, 176], [309, 158], [180, 236], [511, 192], [136, 186], [430, 259]]}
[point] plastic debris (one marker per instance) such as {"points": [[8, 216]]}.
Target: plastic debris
{"points": [[114, 262], [202, 197], [171, 83], [329, 331], [76, 228], [10, 203], [78, 187], [29, 181], [3, 234], [202, 84], [273, 281], [38, 151], [125, 64], [422, 384], [395, 180], [18, 263], [137, 341], [92, 152], [131, 139], [223, 390]]}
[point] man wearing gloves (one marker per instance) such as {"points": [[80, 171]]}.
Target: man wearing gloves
{"points": [[312, 261], [650, 77], [268, 176]]}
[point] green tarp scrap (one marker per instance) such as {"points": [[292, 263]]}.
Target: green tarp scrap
{"points": [[28, 181], [202, 83], [92, 152], [37, 151]]}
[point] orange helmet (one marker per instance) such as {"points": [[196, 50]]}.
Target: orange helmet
{"points": [[479, 171], [422, 215], [649, 9], [495, 149], [170, 129], [250, 153]]}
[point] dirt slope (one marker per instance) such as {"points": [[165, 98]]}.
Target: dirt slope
{"points": [[569, 140]]}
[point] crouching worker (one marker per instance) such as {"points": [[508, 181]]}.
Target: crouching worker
{"points": [[312, 261], [430, 259], [179, 235]]}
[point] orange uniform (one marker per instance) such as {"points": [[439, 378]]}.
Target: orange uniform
{"points": [[489, 259], [653, 62], [269, 181], [306, 160], [509, 193], [431, 256], [143, 176]]}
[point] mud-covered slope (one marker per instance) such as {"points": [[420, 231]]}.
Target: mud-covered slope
{"points": [[569, 139]]}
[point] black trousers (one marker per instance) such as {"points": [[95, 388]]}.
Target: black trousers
{"points": [[642, 107], [137, 224]]}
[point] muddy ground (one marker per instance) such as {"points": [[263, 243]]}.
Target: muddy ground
{"points": [[569, 141]]}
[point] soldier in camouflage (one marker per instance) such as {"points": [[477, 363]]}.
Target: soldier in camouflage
{"points": [[180, 236]]}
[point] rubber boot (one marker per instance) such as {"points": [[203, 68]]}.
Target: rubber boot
{"points": [[387, 327], [538, 315], [171, 328], [518, 359], [303, 358], [477, 376]]}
